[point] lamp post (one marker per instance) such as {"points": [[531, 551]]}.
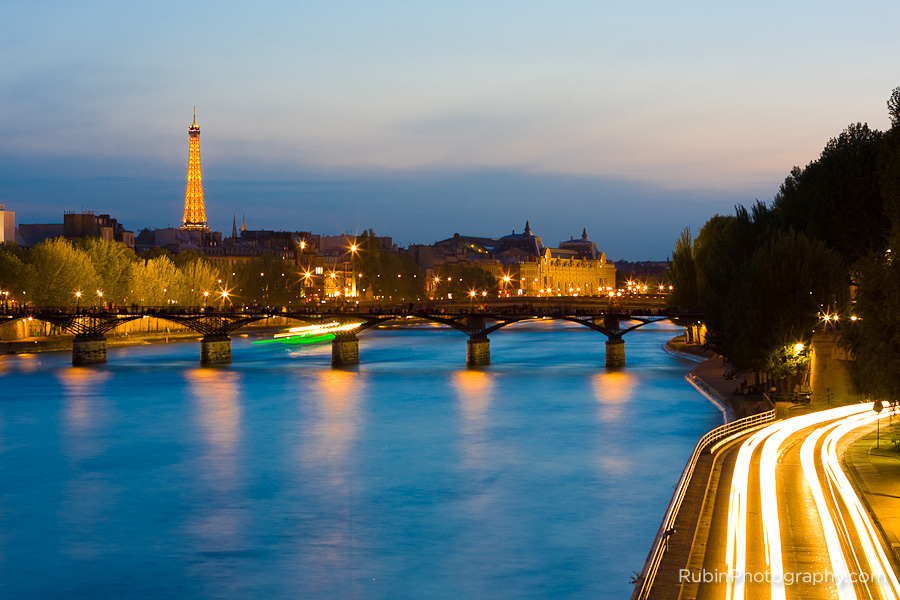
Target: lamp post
{"points": [[353, 248], [100, 295], [77, 301], [224, 298], [205, 300]]}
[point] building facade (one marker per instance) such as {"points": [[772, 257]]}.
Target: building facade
{"points": [[523, 266], [7, 225]]}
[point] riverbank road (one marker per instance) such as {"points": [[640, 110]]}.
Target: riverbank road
{"points": [[782, 520]]}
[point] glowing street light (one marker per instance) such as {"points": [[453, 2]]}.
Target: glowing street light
{"points": [[353, 249]]}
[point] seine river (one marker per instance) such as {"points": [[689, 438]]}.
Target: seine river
{"points": [[541, 476]]}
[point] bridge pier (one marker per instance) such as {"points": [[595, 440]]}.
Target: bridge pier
{"points": [[88, 350], [478, 352], [345, 350], [615, 352], [215, 349]]}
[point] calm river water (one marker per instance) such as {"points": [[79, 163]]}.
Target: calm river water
{"points": [[541, 476]]}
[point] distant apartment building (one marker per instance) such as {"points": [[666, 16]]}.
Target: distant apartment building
{"points": [[7, 225], [33, 234], [87, 224]]}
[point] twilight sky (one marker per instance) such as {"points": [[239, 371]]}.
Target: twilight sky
{"points": [[421, 119]]}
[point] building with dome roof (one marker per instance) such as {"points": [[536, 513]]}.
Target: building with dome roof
{"points": [[525, 267]]}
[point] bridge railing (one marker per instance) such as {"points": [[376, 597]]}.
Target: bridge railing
{"points": [[711, 442], [530, 308]]}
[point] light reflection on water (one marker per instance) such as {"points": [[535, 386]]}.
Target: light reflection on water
{"points": [[474, 390], [410, 476]]}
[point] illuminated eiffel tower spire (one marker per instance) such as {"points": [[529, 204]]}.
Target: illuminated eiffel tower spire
{"points": [[194, 209]]}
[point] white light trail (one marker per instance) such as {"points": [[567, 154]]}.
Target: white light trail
{"points": [[317, 329], [771, 439], [882, 574]]}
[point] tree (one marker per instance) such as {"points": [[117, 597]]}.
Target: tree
{"points": [[198, 276], [113, 262], [267, 281], [893, 105], [461, 278], [156, 282], [791, 280], [873, 337], [683, 274], [59, 271], [838, 198], [385, 273], [15, 275]]}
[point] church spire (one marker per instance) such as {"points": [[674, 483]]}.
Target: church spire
{"points": [[194, 208], [234, 227]]}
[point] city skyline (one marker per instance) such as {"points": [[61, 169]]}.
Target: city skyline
{"points": [[420, 122]]}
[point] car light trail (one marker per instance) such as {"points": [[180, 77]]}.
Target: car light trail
{"points": [[832, 540], [736, 553], [882, 575], [841, 422]]}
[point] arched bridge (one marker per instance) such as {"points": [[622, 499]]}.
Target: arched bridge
{"points": [[216, 326]]}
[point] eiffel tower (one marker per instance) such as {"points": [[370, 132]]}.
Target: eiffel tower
{"points": [[194, 209]]}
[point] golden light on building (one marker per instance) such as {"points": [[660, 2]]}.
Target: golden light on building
{"points": [[194, 209]]}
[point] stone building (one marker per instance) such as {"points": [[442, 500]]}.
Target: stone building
{"points": [[523, 266]]}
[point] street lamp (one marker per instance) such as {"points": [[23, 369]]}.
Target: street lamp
{"points": [[77, 300], [205, 300], [353, 249]]}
